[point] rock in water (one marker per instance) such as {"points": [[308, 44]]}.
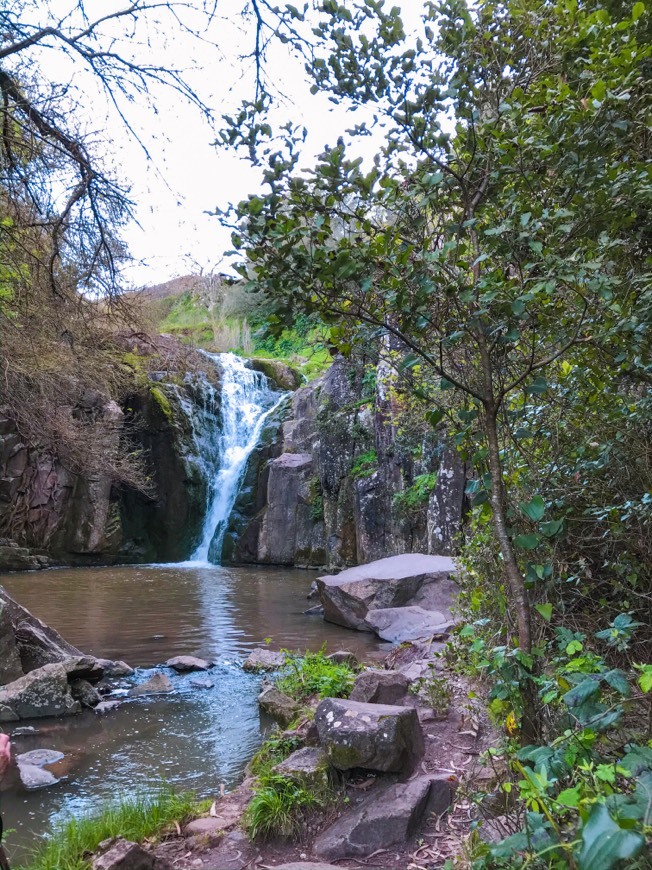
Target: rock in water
{"points": [[156, 684], [43, 692], [39, 757], [390, 816], [32, 776], [262, 659], [380, 687], [372, 736], [387, 583], [87, 695], [186, 664]]}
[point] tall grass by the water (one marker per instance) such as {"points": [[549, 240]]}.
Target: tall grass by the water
{"points": [[134, 818]]}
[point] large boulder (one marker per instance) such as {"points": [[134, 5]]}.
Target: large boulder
{"points": [[43, 692], [399, 624], [10, 666], [388, 583], [380, 687], [379, 737], [386, 818], [124, 855]]}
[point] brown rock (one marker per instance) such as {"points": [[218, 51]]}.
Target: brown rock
{"points": [[380, 687], [124, 855], [156, 684], [186, 664]]}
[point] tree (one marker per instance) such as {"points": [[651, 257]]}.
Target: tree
{"points": [[502, 234]]}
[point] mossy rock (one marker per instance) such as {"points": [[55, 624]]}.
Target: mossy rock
{"points": [[280, 373]]}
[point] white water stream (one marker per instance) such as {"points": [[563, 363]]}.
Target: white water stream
{"points": [[246, 401]]}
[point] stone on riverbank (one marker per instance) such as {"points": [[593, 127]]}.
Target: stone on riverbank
{"points": [[85, 693], [277, 705], [33, 777], [372, 736], [308, 767], [187, 664], [390, 816], [380, 687], [386, 583], [115, 669], [398, 624], [42, 692], [124, 855], [262, 659], [156, 684]]}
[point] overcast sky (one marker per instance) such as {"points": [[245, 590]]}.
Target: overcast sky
{"points": [[187, 176]]}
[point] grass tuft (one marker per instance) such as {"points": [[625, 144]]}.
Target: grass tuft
{"points": [[315, 674], [70, 845]]}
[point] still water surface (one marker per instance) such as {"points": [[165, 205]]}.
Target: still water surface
{"points": [[195, 738]]}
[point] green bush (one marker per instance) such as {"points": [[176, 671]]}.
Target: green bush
{"points": [[415, 497], [280, 806], [315, 674], [365, 465]]}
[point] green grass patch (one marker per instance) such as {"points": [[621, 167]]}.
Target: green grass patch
{"points": [[275, 749], [133, 818], [315, 674], [365, 465]]}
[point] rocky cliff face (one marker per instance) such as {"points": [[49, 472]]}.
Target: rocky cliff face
{"points": [[50, 513], [340, 482]]}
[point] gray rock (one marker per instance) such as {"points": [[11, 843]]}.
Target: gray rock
{"points": [[380, 687], [23, 731], [308, 767], [83, 668], [372, 736], [38, 644], [39, 757], [387, 583], [386, 818], [344, 657], [186, 664], [202, 684], [106, 707], [278, 705], [156, 684], [87, 695], [263, 659], [10, 666], [115, 669], [399, 624], [7, 714], [32, 776], [317, 610], [123, 855], [43, 692]]}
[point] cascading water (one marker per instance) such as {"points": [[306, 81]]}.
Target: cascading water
{"points": [[246, 401]]}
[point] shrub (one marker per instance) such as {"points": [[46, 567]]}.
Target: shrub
{"points": [[365, 465], [315, 674]]}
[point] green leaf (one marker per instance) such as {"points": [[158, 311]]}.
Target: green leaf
{"points": [[604, 843], [545, 610], [637, 11], [527, 542], [645, 680], [551, 528], [534, 509], [435, 417], [538, 386], [569, 797], [617, 679], [578, 695]]}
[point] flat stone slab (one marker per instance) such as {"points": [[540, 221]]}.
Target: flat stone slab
{"points": [[156, 684], [187, 664], [115, 669], [33, 776], [387, 583], [379, 737], [202, 684], [39, 757], [106, 707], [380, 687], [399, 624], [390, 816], [263, 659]]}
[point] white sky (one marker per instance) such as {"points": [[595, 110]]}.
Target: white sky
{"points": [[187, 176]]}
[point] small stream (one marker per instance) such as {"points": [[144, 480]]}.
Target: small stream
{"points": [[195, 738]]}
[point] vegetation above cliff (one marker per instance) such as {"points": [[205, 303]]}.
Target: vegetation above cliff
{"points": [[498, 251]]}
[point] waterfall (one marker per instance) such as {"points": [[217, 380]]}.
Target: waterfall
{"points": [[246, 401]]}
